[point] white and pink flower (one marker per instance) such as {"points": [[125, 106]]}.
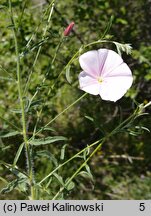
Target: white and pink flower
{"points": [[105, 74]]}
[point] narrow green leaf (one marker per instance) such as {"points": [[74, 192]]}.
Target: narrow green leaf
{"points": [[142, 128], [16, 111], [90, 118], [68, 77], [86, 153], [4, 148], [133, 133], [2, 6], [59, 178], [22, 179], [63, 152], [11, 26], [109, 24], [30, 49], [49, 182], [6, 78], [47, 154], [10, 134], [47, 140], [85, 174], [23, 184], [10, 186], [19, 183], [4, 70], [89, 171], [122, 21], [49, 129], [18, 154], [9, 123], [33, 104], [15, 170]]}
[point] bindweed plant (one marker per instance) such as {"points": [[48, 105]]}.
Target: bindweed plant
{"points": [[104, 73]]}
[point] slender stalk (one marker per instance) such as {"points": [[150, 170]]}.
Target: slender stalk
{"points": [[79, 169], [40, 130], [43, 81], [67, 161], [61, 113], [22, 106], [40, 47], [146, 105], [129, 119]]}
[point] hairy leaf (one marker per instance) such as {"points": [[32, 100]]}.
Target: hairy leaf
{"points": [[123, 48], [47, 140], [10, 134]]}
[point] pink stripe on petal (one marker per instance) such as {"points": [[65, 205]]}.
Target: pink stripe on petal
{"points": [[121, 70], [102, 55], [113, 60]]}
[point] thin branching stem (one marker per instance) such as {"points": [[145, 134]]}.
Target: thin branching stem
{"points": [[57, 116], [22, 105], [120, 126], [52, 120], [40, 47], [67, 161], [78, 170]]}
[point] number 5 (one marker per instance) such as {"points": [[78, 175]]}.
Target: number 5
{"points": [[142, 206]]}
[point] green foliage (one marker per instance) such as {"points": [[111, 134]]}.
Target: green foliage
{"points": [[49, 73], [10, 134], [47, 140], [123, 47]]}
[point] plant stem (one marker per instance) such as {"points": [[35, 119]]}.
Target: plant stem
{"points": [[43, 81], [129, 119], [40, 47], [22, 106], [40, 130], [67, 161], [61, 113], [79, 169]]}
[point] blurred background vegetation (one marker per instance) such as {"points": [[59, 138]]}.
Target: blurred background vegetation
{"points": [[122, 169]]}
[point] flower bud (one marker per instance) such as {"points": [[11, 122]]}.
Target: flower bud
{"points": [[68, 29]]}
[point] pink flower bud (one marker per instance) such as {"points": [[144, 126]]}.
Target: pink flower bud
{"points": [[68, 29]]}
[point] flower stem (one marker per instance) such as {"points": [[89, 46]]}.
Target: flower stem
{"points": [[22, 106]]}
